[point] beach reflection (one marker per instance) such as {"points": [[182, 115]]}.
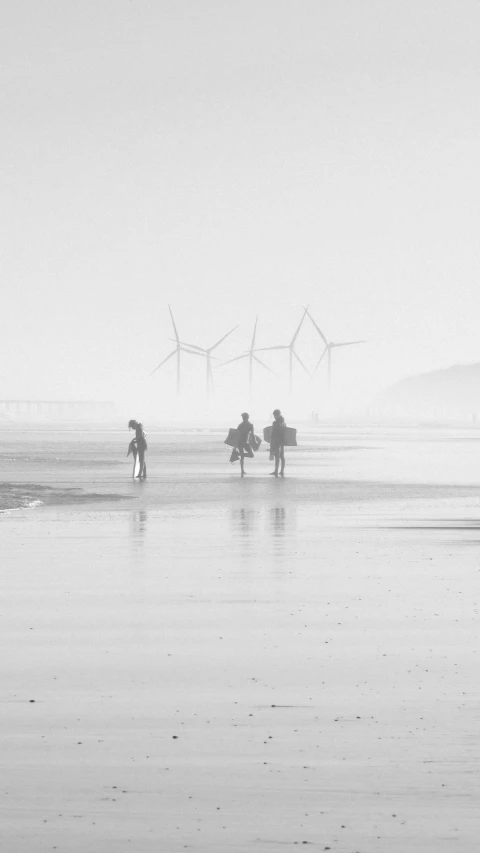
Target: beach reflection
{"points": [[263, 527], [138, 554], [283, 529], [243, 521], [277, 520], [139, 525]]}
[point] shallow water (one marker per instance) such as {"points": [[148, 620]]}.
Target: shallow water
{"points": [[222, 664], [340, 466]]}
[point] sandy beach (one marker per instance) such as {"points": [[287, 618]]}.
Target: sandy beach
{"points": [[207, 663]]}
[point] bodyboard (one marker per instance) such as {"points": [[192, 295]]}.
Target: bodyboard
{"points": [[254, 441], [232, 438], [290, 436]]}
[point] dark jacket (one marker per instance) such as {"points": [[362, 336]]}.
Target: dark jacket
{"points": [[244, 429], [278, 433], [140, 438]]}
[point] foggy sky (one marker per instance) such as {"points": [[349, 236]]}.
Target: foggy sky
{"points": [[235, 158]]}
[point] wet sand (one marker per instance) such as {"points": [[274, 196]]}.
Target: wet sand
{"points": [[264, 666]]}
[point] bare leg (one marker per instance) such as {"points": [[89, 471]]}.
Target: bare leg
{"points": [[141, 462], [275, 473], [242, 468], [282, 460]]}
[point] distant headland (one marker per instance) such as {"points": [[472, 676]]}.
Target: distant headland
{"points": [[453, 392]]}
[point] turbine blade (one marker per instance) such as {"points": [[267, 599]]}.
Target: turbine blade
{"points": [[222, 339], [264, 349], [192, 346], [193, 351], [263, 364], [299, 360], [299, 327], [320, 360], [318, 330], [174, 326], [237, 358], [163, 362], [254, 334]]}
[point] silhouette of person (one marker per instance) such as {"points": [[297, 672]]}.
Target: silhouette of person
{"points": [[277, 443], [132, 449], [245, 429], [142, 447]]}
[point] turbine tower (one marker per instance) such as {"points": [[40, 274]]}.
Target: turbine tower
{"points": [[329, 347], [205, 353], [250, 354], [291, 351], [178, 349]]}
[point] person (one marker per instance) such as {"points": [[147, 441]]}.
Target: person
{"points": [[277, 444], [142, 447], [245, 429]]}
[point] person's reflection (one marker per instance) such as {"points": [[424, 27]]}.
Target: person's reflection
{"points": [[277, 520], [244, 538], [242, 521], [282, 523], [139, 525]]}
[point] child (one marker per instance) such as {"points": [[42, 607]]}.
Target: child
{"points": [[141, 445]]}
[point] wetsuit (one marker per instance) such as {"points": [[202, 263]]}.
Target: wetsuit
{"points": [[141, 447], [277, 443], [244, 430]]}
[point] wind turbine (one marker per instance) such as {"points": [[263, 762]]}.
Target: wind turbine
{"points": [[291, 351], [329, 347], [206, 353], [250, 354], [178, 349]]}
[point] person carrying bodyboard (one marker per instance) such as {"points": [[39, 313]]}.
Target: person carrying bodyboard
{"points": [[244, 441]]}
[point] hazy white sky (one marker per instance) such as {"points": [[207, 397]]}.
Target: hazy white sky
{"points": [[233, 158]]}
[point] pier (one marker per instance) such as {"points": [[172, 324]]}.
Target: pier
{"points": [[59, 407]]}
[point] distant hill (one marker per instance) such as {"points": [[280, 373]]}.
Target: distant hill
{"points": [[450, 393]]}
